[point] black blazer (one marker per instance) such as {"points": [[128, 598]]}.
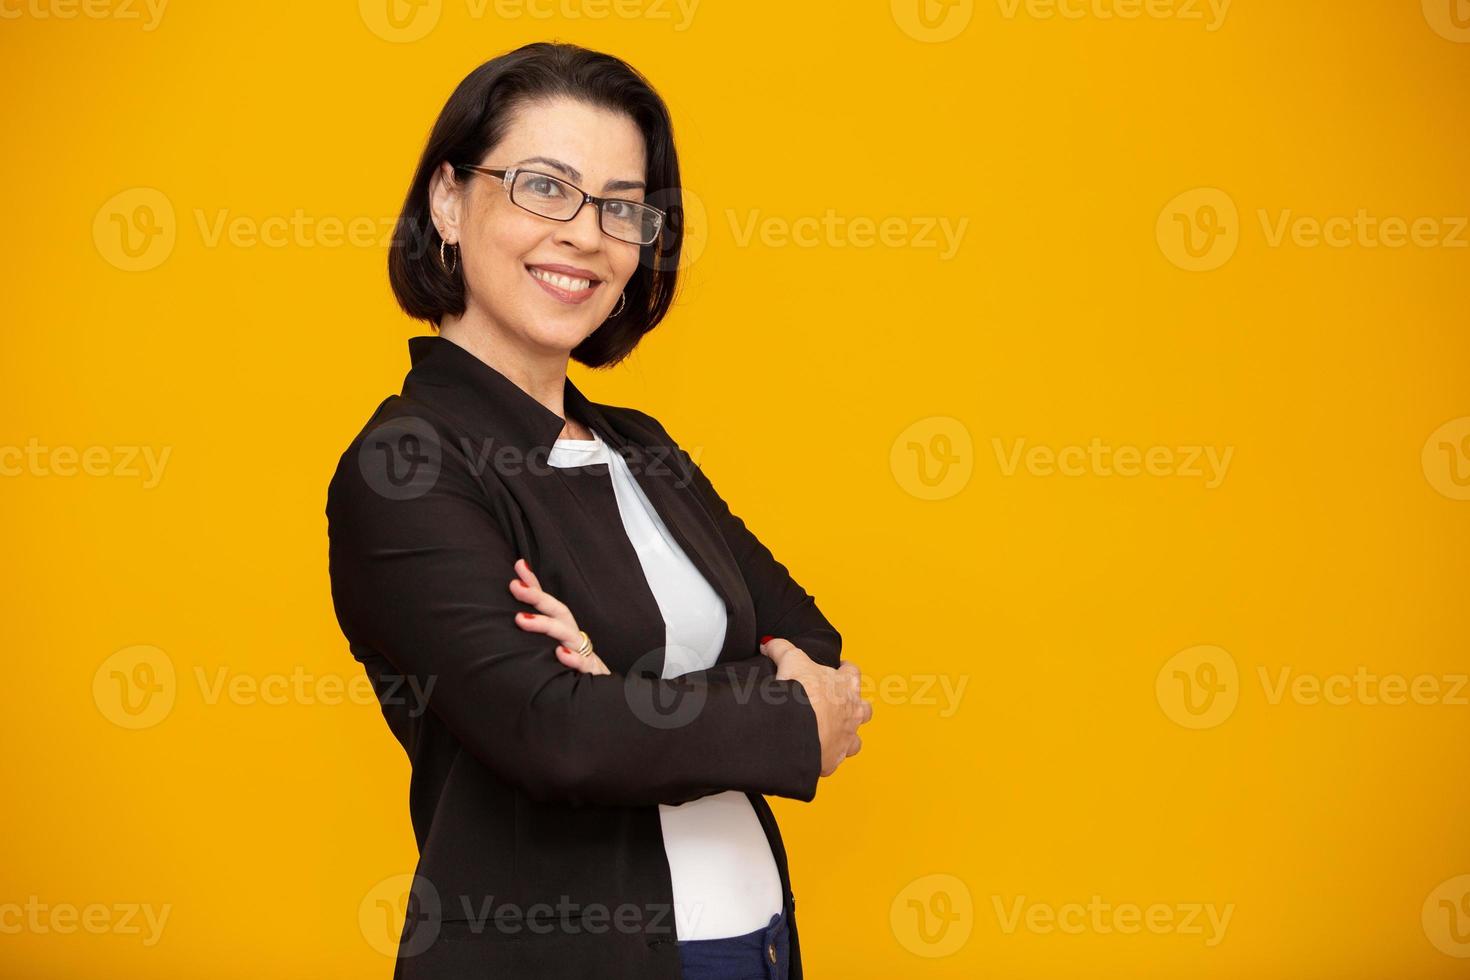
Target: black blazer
{"points": [[534, 789]]}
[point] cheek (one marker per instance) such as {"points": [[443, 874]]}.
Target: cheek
{"points": [[503, 234], [496, 259], [624, 262]]}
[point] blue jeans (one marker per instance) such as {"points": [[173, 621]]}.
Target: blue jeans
{"points": [[760, 955]]}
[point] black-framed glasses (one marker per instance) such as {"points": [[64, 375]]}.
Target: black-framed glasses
{"points": [[551, 197]]}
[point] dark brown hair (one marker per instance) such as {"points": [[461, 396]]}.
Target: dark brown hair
{"points": [[475, 119]]}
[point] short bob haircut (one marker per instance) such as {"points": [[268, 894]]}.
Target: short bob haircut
{"points": [[475, 119]]}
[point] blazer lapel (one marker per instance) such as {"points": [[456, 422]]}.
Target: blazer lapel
{"points": [[498, 414], [658, 470]]}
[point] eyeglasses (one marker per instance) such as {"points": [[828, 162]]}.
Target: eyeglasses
{"points": [[551, 197]]}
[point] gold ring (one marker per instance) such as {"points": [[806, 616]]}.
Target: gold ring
{"points": [[585, 650]]}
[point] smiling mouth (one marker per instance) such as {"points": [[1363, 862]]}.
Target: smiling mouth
{"points": [[568, 289]]}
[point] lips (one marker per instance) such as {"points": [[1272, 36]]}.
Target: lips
{"points": [[567, 284], [575, 271]]}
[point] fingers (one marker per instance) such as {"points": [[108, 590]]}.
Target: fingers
{"points": [[523, 569], [777, 648], [780, 650], [558, 629], [853, 675], [572, 660], [552, 617], [528, 589], [851, 751], [591, 664]]}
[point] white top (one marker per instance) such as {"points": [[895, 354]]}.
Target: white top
{"points": [[726, 882]]}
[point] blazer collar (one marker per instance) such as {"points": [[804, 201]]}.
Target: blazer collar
{"points": [[489, 401], [449, 379]]}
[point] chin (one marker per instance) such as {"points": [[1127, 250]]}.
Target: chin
{"points": [[559, 339]]}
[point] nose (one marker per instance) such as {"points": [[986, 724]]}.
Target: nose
{"points": [[583, 232]]}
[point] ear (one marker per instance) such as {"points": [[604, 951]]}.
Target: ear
{"points": [[446, 201]]}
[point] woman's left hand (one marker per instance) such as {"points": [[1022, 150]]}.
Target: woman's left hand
{"points": [[553, 618]]}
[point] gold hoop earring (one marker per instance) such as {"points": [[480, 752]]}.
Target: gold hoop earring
{"points": [[447, 267], [622, 302]]}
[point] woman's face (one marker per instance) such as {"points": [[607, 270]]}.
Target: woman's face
{"points": [[501, 243]]}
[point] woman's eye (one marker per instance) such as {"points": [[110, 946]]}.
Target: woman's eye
{"points": [[542, 187], [625, 209]]}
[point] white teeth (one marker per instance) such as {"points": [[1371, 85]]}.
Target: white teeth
{"points": [[564, 282]]}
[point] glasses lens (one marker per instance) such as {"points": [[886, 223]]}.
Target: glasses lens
{"points": [[544, 195], [630, 221], [550, 197]]}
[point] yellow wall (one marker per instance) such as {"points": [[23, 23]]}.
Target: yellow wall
{"points": [[940, 306]]}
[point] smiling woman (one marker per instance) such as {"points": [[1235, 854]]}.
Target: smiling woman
{"points": [[546, 120], [579, 811]]}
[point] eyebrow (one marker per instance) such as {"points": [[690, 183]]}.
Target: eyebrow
{"points": [[575, 175]]}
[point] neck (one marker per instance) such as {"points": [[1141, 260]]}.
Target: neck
{"points": [[539, 373]]}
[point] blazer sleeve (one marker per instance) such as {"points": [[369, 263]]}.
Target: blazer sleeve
{"points": [[421, 582], [782, 607]]}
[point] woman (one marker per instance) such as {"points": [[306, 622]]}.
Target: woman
{"points": [[578, 811]]}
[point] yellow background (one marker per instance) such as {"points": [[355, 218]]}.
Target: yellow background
{"points": [[823, 384]]}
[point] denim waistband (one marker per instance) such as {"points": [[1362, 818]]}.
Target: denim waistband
{"points": [[763, 954]]}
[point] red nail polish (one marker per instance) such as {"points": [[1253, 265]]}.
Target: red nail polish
{"points": [[765, 639]]}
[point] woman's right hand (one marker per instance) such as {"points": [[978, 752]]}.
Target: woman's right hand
{"points": [[554, 619], [833, 694]]}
